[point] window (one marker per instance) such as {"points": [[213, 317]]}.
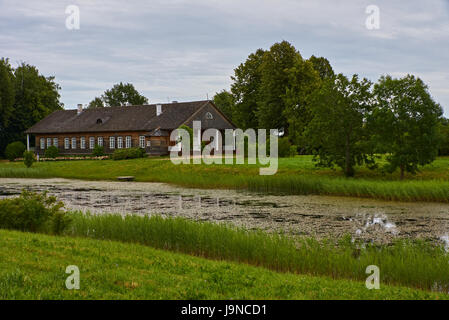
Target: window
{"points": [[91, 142], [142, 142], [83, 142], [56, 142], [42, 143], [128, 142], [99, 121], [100, 141], [48, 142], [119, 142], [66, 143], [73, 143], [209, 116], [111, 143]]}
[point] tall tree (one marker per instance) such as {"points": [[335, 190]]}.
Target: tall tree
{"points": [[337, 132], [303, 81], [323, 67], [7, 96], [36, 96], [121, 94], [225, 102], [405, 121], [245, 89], [274, 82], [97, 102]]}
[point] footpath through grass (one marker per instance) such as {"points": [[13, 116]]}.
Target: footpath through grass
{"points": [[32, 266], [295, 176]]}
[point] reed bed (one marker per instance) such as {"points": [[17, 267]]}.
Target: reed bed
{"points": [[415, 264]]}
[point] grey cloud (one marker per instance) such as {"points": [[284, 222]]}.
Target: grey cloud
{"points": [[185, 49]]}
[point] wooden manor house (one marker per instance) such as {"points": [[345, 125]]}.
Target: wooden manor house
{"points": [[77, 132]]}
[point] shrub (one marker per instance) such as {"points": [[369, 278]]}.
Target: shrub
{"points": [[283, 147], [98, 151], [51, 152], [28, 158], [14, 150], [33, 212], [131, 153], [293, 151]]}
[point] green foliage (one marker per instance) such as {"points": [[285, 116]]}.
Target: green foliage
{"points": [[33, 212], [96, 103], [271, 89], [35, 97], [303, 81], [293, 151], [225, 102], [274, 82], [443, 130], [323, 67], [51, 152], [339, 259], [405, 121], [140, 272], [130, 153], [337, 133], [245, 89], [14, 150], [98, 151], [7, 96], [284, 147], [121, 94], [28, 158]]}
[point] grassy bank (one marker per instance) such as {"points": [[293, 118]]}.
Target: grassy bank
{"points": [[295, 176], [414, 264], [33, 266]]}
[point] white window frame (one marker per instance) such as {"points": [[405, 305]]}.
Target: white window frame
{"points": [[142, 142], [100, 141], [49, 142], [119, 142], [111, 142], [128, 142], [56, 142], [73, 143], [66, 143], [83, 143], [42, 141], [91, 143]]}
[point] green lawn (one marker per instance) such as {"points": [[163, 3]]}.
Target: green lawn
{"points": [[295, 176], [32, 266]]}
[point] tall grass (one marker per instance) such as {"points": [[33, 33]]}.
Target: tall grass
{"points": [[296, 176], [416, 264], [412, 190]]}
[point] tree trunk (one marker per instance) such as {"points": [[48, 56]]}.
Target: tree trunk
{"points": [[402, 172]]}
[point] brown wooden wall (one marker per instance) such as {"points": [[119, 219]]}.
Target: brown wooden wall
{"points": [[134, 141]]}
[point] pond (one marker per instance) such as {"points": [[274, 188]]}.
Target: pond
{"points": [[317, 216]]}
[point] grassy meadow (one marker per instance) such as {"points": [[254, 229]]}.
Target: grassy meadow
{"points": [[32, 266], [296, 175]]}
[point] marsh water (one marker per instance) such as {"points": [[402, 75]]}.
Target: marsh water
{"points": [[318, 216]]}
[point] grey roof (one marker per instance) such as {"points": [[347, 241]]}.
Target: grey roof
{"points": [[128, 118]]}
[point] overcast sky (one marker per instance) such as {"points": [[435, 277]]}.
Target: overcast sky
{"points": [[184, 50]]}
